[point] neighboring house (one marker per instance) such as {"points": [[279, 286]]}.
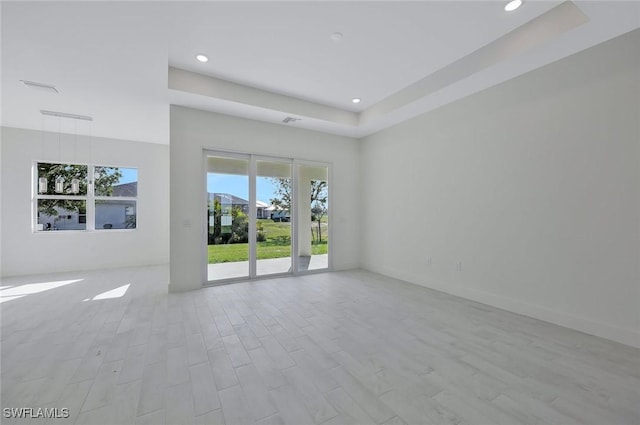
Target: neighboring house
{"points": [[262, 209], [110, 214], [117, 213], [65, 220], [227, 198], [129, 190]]}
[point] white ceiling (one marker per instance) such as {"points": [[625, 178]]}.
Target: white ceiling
{"points": [[111, 60]]}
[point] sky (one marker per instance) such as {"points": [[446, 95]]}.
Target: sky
{"points": [[128, 175], [221, 183], [239, 186]]}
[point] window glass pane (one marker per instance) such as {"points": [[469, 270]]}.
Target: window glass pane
{"points": [[273, 210], [115, 214], [228, 215], [58, 214], [71, 179], [313, 238], [116, 181]]}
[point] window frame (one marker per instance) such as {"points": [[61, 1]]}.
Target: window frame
{"points": [[90, 199]]}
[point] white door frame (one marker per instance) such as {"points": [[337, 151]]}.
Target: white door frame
{"points": [[252, 174]]}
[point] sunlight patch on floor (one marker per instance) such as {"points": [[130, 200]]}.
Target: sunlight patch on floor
{"points": [[114, 293], [12, 293]]}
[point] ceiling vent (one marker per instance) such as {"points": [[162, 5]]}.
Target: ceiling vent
{"points": [[66, 115], [40, 86], [287, 120]]}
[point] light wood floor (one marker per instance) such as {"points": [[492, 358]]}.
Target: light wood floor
{"points": [[334, 348]]}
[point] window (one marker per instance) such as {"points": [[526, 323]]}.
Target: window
{"points": [[61, 196], [67, 198], [116, 191]]}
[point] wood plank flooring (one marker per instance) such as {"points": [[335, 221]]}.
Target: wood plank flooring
{"points": [[334, 348]]}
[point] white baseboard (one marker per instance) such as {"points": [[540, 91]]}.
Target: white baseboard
{"points": [[346, 266], [604, 330]]}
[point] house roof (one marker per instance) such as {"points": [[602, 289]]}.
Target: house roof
{"points": [[235, 200], [126, 189]]}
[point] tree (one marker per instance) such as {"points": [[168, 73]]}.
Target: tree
{"points": [[215, 211], [319, 198], [238, 232], [239, 226], [104, 180], [283, 192]]}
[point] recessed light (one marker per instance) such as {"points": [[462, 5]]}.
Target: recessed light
{"points": [[513, 5], [356, 100], [201, 57], [336, 36]]}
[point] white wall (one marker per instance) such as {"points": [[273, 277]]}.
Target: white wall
{"points": [[25, 252], [192, 130], [534, 185]]}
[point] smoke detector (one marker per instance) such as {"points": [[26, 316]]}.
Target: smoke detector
{"points": [[337, 36]]}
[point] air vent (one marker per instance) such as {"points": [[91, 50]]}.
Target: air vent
{"points": [[66, 115], [40, 86], [287, 120]]}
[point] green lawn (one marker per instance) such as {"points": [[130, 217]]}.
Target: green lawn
{"points": [[276, 245]]}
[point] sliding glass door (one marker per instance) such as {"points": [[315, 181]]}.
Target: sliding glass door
{"points": [[273, 217], [227, 218], [313, 224], [262, 210]]}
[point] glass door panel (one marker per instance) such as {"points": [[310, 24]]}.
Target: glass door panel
{"points": [[313, 217], [273, 217], [228, 218]]}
